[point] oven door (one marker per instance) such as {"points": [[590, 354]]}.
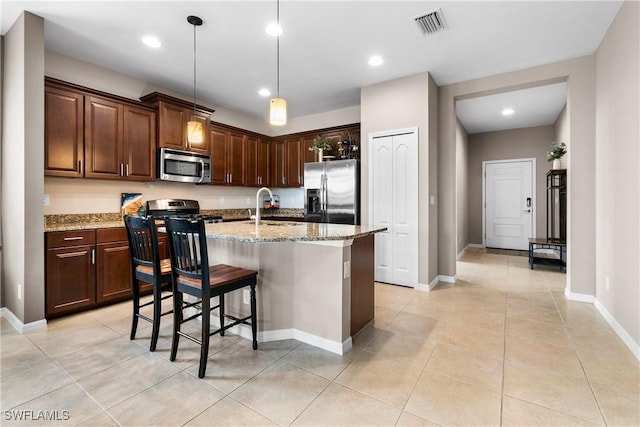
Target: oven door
{"points": [[183, 166]]}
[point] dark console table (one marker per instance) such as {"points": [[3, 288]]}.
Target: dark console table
{"points": [[542, 243]]}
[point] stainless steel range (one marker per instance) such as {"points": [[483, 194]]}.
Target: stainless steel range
{"points": [[182, 208]]}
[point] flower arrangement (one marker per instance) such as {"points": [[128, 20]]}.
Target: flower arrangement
{"points": [[556, 151], [320, 143]]}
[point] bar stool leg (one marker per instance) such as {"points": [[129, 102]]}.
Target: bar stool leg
{"points": [[221, 302], [157, 313], [136, 308], [254, 322], [177, 320], [204, 349]]}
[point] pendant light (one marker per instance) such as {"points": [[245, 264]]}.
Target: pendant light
{"points": [[195, 133], [278, 106]]}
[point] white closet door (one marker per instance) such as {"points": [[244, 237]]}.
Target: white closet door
{"points": [[394, 204], [405, 210], [382, 168]]}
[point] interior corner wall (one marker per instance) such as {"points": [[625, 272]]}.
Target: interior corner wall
{"points": [[562, 133], [1, 80], [580, 75], [433, 179], [462, 187], [532, 142], [399, 104], [23, 168], [616, 170]]}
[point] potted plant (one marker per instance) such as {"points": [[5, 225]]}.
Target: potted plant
{"points": [[556, 152], [320, 145]]}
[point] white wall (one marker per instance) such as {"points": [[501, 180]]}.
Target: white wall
{"points": [[617, 171], [22, 168], [562, 132]]}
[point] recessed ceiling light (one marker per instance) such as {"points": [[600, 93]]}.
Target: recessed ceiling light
{"points": [[274, 30], [374, 61], [151, 41], [508, 112], [264, 92]]}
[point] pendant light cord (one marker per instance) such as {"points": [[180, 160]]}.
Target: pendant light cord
{"points": [[278, 50], [194, 69]]}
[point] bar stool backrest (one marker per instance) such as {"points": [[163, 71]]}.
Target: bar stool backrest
{"points": [[143, 242], [188, 251]]}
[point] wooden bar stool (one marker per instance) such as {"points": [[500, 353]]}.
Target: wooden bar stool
{"points": [[146, 266], [192, 275]]}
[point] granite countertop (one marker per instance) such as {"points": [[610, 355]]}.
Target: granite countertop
{"points": [[74, 222], [277, 231]]}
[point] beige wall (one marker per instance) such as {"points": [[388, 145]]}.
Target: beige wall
{"points": [[503, 145], [462, 187], [562, 133], [433, 178], [22, 168], [400, 104], [616, 169], [580, 75]]}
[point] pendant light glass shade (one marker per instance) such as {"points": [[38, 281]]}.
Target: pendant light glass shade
{"points": [[278, 112], [194, 132]]}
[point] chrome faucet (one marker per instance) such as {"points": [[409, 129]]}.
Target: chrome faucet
{"points": [[258, 202]]}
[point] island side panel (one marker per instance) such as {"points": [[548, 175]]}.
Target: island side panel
{"points": [[300, 291], [362, 283]]}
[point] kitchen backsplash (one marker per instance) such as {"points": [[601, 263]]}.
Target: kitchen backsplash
{"points": [[86, 196]]}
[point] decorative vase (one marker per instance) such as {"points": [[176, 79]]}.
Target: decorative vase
{"points": [[556, 164], [320, 154]]}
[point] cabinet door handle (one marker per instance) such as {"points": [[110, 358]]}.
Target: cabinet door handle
{"points": [[66, 239], [121, 169], [80, 167], [127, 169], [230, 178], [93, 256]]}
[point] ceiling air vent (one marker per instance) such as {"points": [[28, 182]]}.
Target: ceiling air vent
{"points": [[432, 22]]}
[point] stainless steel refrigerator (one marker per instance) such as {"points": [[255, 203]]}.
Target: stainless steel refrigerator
{"points": [[332, 192]]}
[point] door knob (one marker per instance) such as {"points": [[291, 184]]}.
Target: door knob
{"points": [[527, 210]]}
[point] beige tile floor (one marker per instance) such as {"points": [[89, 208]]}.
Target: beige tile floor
{"points": [[501, 347]]}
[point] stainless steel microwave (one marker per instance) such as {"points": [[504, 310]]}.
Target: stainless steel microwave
{"points": [[183, 166]]}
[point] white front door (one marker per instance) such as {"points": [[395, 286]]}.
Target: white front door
{"points": [[509, 206], [393, 174]]}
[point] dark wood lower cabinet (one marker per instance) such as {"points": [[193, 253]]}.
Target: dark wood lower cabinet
{"points": [[70, 271], [88, 268], [113, 272]]}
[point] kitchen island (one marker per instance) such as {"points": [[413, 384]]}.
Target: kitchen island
{"points": [[315, 281]]}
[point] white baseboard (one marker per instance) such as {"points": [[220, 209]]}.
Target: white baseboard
{"points": [[286, 334], [17, 323], [475, 245], [447, 279], [427, 288], [314, 340], [461, 253], [624, 335], [572, 296]]}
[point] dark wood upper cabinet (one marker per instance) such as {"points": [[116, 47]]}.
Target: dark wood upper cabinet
{"points": [[218, 137], [103, 138], [293, 163], [257, 164], [277, 170], [64, 132], [236, 159], [173, 115], [139, 143]]}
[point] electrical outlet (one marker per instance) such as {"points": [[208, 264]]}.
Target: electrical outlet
{"points": [[347, 269], [19, 291], [246, 296], [432, 200], [45, 200]]}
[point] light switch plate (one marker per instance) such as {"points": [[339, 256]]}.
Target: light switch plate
{"points": [[347, 269]]}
